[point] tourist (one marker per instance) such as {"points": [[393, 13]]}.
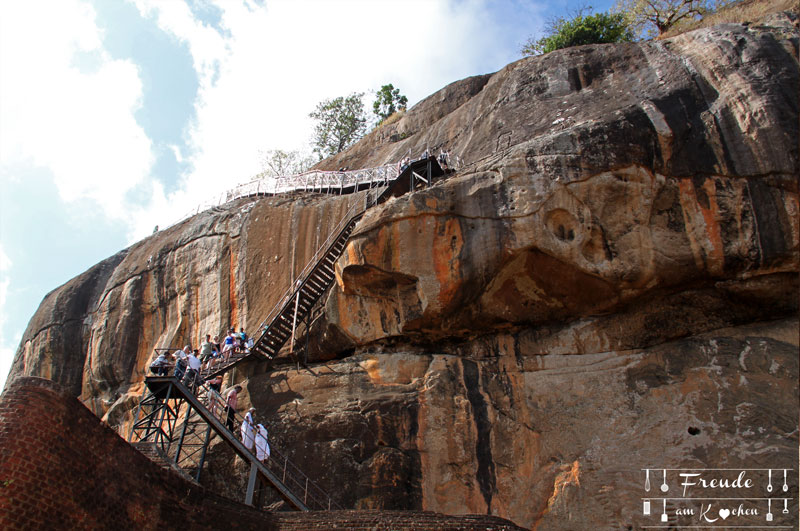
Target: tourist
{"points": [[160, 365], [181, 362], [248, 429], [443, 159], [193, 373], [229, 346], [206, 349], [231, 399], [213, 360], [215, 401], [215, 383], [216, 354], [262, 444], [238, 346]]}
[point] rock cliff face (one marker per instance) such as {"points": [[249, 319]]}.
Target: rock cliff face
{"points": [[608, 283]]}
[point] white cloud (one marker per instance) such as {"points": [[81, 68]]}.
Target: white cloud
{"points": [[6, 358], [79, 124], [5, 261], [7, 348], [5, 266]]}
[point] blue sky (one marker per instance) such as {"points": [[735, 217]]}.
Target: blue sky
{"points": [[119, 115]]}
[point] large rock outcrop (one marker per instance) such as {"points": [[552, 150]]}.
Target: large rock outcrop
{"points": [[608, 283]]}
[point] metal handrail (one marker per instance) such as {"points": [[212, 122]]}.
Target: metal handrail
{"points": [[286, 469], [289, 293], [302, 181]]}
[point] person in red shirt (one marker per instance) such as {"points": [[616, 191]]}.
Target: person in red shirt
{"points": [[231, 399]]}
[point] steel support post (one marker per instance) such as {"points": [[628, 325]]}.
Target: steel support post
{"points": [[308, 325], [164, 406], [294, 321], [430, 172], [251, 484], [203, 454], [138, 412], [183, 432]]}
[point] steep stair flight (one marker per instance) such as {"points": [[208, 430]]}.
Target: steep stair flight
{"points": [[315, 279]]}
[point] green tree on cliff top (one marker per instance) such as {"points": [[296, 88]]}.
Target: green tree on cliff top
{"points": [[388, 100], [341, 122]]}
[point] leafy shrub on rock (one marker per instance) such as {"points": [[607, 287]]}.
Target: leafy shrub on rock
{"points": [[589, 29]]}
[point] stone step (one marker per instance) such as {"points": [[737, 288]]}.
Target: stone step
{"points": [[156, 455]]}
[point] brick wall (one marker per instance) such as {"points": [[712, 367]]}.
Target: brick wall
{"points": [[61, 468], [389, 521]]}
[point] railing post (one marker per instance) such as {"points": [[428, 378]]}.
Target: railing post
{"points": [[430, 173], [294, 321], [305, 494], [285, 462]]}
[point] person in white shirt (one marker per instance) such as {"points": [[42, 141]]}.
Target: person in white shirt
{"points": [[262, 446], [193, 371], [248, 429]]}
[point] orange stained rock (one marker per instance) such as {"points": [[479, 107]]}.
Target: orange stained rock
{"points": [[569, 476], [698, 225], [394, 370], [446, 259], [371, 366], [711, 217], [232, 288], [352, 254], [432, 203]]}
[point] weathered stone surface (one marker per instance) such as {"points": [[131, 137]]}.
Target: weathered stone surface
{"points": [[554, 437], [608, 283], [96, 333]]}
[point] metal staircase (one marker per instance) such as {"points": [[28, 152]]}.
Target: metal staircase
{"points": [[179, 424], [315, 279], [296, 303]]}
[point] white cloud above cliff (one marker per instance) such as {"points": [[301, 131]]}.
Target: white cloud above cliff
{"points": [[67, 106], [7, 345]]}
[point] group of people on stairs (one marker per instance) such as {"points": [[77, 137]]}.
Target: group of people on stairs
{"points": [[188, 363], [187, 367], [254, 436]]}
